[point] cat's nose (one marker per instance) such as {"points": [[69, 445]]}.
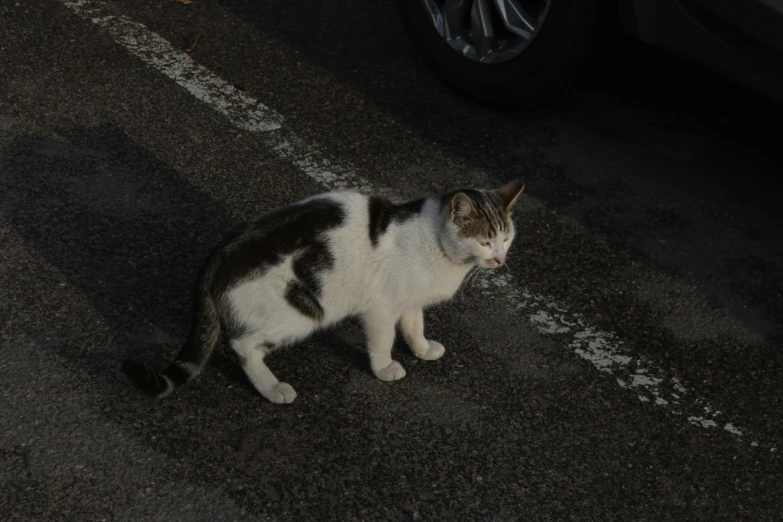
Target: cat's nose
{"points": [[500, 260]]}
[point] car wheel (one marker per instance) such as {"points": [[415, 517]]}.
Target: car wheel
{"points": [[517, 53]]}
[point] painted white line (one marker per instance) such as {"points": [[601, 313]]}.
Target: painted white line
{"points": [[602, 349], [311, 161], [242, 110], [608, 354]]}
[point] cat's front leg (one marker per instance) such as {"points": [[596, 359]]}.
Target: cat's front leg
{"points": [[412, 326], [379, 328]]}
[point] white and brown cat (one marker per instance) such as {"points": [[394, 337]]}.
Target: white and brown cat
{"points": [[272, 282]]}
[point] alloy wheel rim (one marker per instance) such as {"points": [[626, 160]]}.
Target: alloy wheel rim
{"points": [[488, 31]]}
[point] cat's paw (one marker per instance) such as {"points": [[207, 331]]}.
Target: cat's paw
{"points": [[280, 393], [435, 350], [393, 372]]}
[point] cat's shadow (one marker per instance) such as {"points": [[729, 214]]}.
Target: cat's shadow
{"points": [[128, 235]]}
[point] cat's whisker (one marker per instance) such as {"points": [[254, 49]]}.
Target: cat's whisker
{"points": [[471, 275]]}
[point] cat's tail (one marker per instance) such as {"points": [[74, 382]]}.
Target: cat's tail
{"points": [[195, 353]]}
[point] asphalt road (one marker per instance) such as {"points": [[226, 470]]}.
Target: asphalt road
{"points": [[629, 366]]}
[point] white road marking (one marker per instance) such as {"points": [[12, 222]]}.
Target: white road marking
{"points": [[310, 161], [602, 349], [242, 110], [608, 354], [731, 429]]}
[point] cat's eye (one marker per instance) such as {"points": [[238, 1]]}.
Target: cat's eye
{"points": [[484, 243], [507, 240]]}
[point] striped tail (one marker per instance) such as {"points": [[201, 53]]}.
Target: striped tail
{"points": [[193, 356]]}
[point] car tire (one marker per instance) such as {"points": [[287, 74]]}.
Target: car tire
{"points": [[543, 71]]}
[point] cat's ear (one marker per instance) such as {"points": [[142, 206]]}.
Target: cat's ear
{"points": [[508, 194], [461, 207]]}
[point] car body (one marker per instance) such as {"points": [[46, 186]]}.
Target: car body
{"points": [[518, 52]]}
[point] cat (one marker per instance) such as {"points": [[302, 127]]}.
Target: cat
{"points": [[274, 281]]}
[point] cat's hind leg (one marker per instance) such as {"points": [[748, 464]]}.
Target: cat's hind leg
{"points": [[252, 350], [412, 326]]}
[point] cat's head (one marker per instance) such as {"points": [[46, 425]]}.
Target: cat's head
{"points": [[480, 224]]}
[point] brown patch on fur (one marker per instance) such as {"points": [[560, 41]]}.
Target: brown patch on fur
{"points": [[468, 220], [472, 226]]}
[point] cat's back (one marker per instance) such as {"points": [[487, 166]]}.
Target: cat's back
{"points": [[282, 234], [328, 256], [334, 231]]}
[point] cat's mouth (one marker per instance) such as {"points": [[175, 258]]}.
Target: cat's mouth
{"points": [[492, 264]]}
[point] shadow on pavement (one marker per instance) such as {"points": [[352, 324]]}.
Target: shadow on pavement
{"points": [[127, 231]]}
